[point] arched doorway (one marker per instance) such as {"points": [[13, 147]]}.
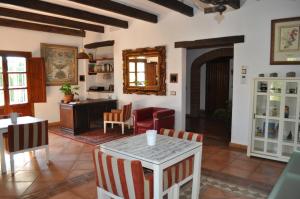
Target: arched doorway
{"points": [[195, 75]]}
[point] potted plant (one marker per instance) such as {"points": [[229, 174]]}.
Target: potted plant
{"points": [[68, 92]]}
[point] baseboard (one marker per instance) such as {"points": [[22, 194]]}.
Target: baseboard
{"points": [[53, 124], [238, 146]]}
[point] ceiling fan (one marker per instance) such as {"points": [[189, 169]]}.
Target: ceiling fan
{"points": [[220, 5]]}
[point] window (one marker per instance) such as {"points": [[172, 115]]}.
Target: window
{"points": [[17, 80], [137, 72], [13, 80]]}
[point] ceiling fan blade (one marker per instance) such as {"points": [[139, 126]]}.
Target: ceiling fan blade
{"points": [[210, 10], [236, 4]]}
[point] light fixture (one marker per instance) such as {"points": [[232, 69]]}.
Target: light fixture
{"points": [[82, 54]]}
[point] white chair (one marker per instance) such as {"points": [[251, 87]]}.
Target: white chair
{"points": [[27, 137]]}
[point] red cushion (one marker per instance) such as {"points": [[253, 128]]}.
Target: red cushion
{"points": [[145, 124]]}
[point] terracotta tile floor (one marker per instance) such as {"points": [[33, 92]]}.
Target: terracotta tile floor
{"points": [[69, 159]]}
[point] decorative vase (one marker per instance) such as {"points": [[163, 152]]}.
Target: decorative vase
{"points": [[68, 98], [290, 136]]}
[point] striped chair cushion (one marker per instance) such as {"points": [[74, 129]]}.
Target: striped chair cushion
{"points": [[183, 169], [182, 134], [25, 136], [121, 177], [118, 115]]}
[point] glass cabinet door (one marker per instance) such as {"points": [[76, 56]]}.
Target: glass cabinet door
{"points": [[262, 87], [258, 145], [289, 130], [287, 150], [260, 126], [261, 105], [276, 87], [274, 105], [273, 128], [290, 108], [291, 88], [272, 148]]}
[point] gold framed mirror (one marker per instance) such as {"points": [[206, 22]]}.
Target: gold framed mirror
{"points": [[144, 71]]}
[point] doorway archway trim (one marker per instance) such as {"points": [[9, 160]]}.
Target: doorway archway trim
{"points": [[195, 75]]}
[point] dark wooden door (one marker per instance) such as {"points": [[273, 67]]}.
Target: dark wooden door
{"points": [[217, 84]]}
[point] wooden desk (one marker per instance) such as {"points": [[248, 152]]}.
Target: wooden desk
{"points": [[85, 115]]}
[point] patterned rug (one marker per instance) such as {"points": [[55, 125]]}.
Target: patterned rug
{"points": [[93, 137], [185, 192]]}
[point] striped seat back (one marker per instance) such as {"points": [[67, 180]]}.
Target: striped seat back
{"points": [[4, 116], [26, 136], [121, 177], [182, 134], [126, 112]]}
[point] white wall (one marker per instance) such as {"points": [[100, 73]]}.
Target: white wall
{"points": [[25, 40], [253, 20]]}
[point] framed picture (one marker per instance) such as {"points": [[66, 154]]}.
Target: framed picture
{"points": [[173, 78], [285, 41], [61, 64]]}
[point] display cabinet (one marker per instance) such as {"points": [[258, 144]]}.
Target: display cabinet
{"points": [[276, 123]]}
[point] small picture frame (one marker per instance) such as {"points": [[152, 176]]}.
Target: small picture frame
{"points": [[285, 41], [173, 78]]}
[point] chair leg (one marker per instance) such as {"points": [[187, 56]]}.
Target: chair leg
{"points": [[123, 127], [176, 189], [112, 125], [101, 194], [12, 164], [47, 154], [128, 124], [33, 154], [171, 193], [104, 127]]}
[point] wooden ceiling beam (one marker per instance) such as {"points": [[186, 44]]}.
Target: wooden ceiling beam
{"points": [[67, 11], [40, 27], [99, 44], [119, 8], [213, 42], [176, 6], [49, 20]]}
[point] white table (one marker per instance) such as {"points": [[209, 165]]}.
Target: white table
{"points": [[4, 123], [167, 151]]}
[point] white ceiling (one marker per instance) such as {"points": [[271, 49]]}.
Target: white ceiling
{"points": [[144, 5], [140, 4]]}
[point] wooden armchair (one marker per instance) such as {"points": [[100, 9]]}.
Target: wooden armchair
{"points": [[118, 117]]}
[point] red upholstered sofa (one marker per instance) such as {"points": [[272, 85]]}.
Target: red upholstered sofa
{"points": [[153, 118]]}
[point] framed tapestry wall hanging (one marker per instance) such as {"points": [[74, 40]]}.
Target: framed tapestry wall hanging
{"points": [[61, 64]]}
